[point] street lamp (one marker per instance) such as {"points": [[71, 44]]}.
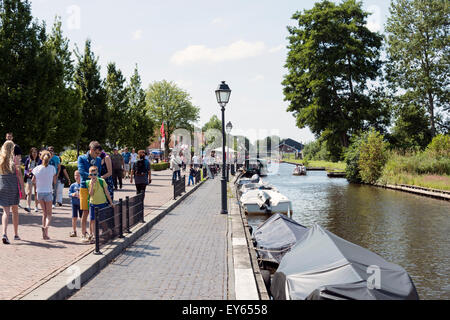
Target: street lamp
{"points": [[223, 93], [229, 127]]}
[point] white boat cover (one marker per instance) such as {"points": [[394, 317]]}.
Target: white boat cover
{"points": [[321, 262]]}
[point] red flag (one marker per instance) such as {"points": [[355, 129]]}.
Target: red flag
{"points": [[163, 136]]}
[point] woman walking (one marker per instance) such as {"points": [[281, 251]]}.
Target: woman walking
{"points": [[141, 172], [32, 162], [45, 177], [106, 172], [9, 189]]}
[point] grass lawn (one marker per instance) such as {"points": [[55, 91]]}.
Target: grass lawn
{"points": [[440, 182], [329, 166]]}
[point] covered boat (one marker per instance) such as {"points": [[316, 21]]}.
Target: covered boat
{"points": [[299, 171], [323, 266], [276, 236]]}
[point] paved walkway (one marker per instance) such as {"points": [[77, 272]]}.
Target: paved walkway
{"points": [[32, 261], [184, 256]]}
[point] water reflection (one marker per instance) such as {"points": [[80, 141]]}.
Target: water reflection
{"points": [[406, 229]]}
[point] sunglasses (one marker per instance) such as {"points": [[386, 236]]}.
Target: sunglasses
{"points": [[93, 174]]}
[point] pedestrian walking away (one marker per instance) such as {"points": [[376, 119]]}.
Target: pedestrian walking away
{"points": [[85, 162], [141, 172], [56, 162], [31, 162], [118, 166], [74, 194], [63, 179], [45, 176], [126, 158], [9, 189], [192, 173]]}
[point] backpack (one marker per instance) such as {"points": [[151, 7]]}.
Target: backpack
{"points": [[141, 168]]}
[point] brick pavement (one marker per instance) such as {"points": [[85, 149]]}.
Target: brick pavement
{"points": [[184, 256], [30, 262]]}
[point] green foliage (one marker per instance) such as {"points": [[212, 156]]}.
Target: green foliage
{"points": [[69, 156], [160, 166], [439, 147], [167, 103], [318, 150], [372, 157], [332, 56], [418, 47], [213, 123], [90, 89], [117, 103], [352, 158]]}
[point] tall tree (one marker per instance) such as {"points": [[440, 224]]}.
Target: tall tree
{"points": [[65, 125], [418, 50], [213, 123], [27, 77], [332, 56], [167, 103], [118, 109], [93, 97], [141, 125]]}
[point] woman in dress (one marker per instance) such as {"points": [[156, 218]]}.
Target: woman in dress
{"points": [[9, 189], [32, 162]]}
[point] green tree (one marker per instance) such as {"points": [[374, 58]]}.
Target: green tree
{"points": [[213, 123], [141, 125], [418, 51], [167, 103], [64, 124], [27, 75], [332, 56], [352, 156], [90, 88], [118, 108]]}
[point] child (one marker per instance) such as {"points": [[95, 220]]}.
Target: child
{"points": [[192, 173], [98, 197], [74, 194], [44, 176]]}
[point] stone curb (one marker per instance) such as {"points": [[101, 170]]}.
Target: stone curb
{"points": [[68, 281]]}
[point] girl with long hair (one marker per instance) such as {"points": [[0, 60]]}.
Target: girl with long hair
{"points": [[45, 177], [9, 189], [31, 163]]}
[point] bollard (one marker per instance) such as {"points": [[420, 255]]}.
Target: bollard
{"points": [[97, 234], [120, 219], [127, 213]]}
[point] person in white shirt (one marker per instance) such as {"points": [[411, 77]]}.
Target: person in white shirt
{"points": [[133, 157], [45, 177], [196, 161]]}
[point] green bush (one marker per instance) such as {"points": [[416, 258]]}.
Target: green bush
{"points": [[439, 146], [160, 166], [372, 157], [352, 159], [69, 156]]}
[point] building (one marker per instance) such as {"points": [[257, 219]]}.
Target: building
{"points": [[291, 147]]}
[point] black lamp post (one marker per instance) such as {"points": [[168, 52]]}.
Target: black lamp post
{"points": [[229, 127], [223, 93]]}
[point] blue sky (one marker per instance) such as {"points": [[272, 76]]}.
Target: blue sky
{"points": [[197, 44]]}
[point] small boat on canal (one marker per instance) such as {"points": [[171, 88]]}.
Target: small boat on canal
{"points": [[299, 171], [265, 201]]}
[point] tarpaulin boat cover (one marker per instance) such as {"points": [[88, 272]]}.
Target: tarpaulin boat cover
{"points": [[322, 266], [276, 236]]}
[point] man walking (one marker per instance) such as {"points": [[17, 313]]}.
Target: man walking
{"points": [[126, 158], [118, 165], [85, 162]]}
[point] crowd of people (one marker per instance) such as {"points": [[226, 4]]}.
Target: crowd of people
{"points": [[99, 174]]}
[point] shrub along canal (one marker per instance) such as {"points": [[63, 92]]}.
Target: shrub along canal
{"points": [[406, 229]]}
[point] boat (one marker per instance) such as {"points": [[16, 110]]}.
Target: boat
{"points": [[275, 237], [265, 201], [323, 266], [253, 186], [336, 174], [259, 165], [299, 171]]}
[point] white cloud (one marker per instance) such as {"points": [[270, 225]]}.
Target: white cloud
{"points": [[374, 20], [137, 34], [235, 51], [276, 49], [186, 85], [217, 21], [258, 77]]}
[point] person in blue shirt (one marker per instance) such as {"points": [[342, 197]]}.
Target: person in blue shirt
{"points": [[92, 158], [126, 158], [74, 194], [54, 161], [141, 172]]}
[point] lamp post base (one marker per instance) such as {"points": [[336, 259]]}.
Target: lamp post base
{"points": [[223, 212]]}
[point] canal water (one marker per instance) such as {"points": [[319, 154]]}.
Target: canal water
{"points": [[409, 230]]}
